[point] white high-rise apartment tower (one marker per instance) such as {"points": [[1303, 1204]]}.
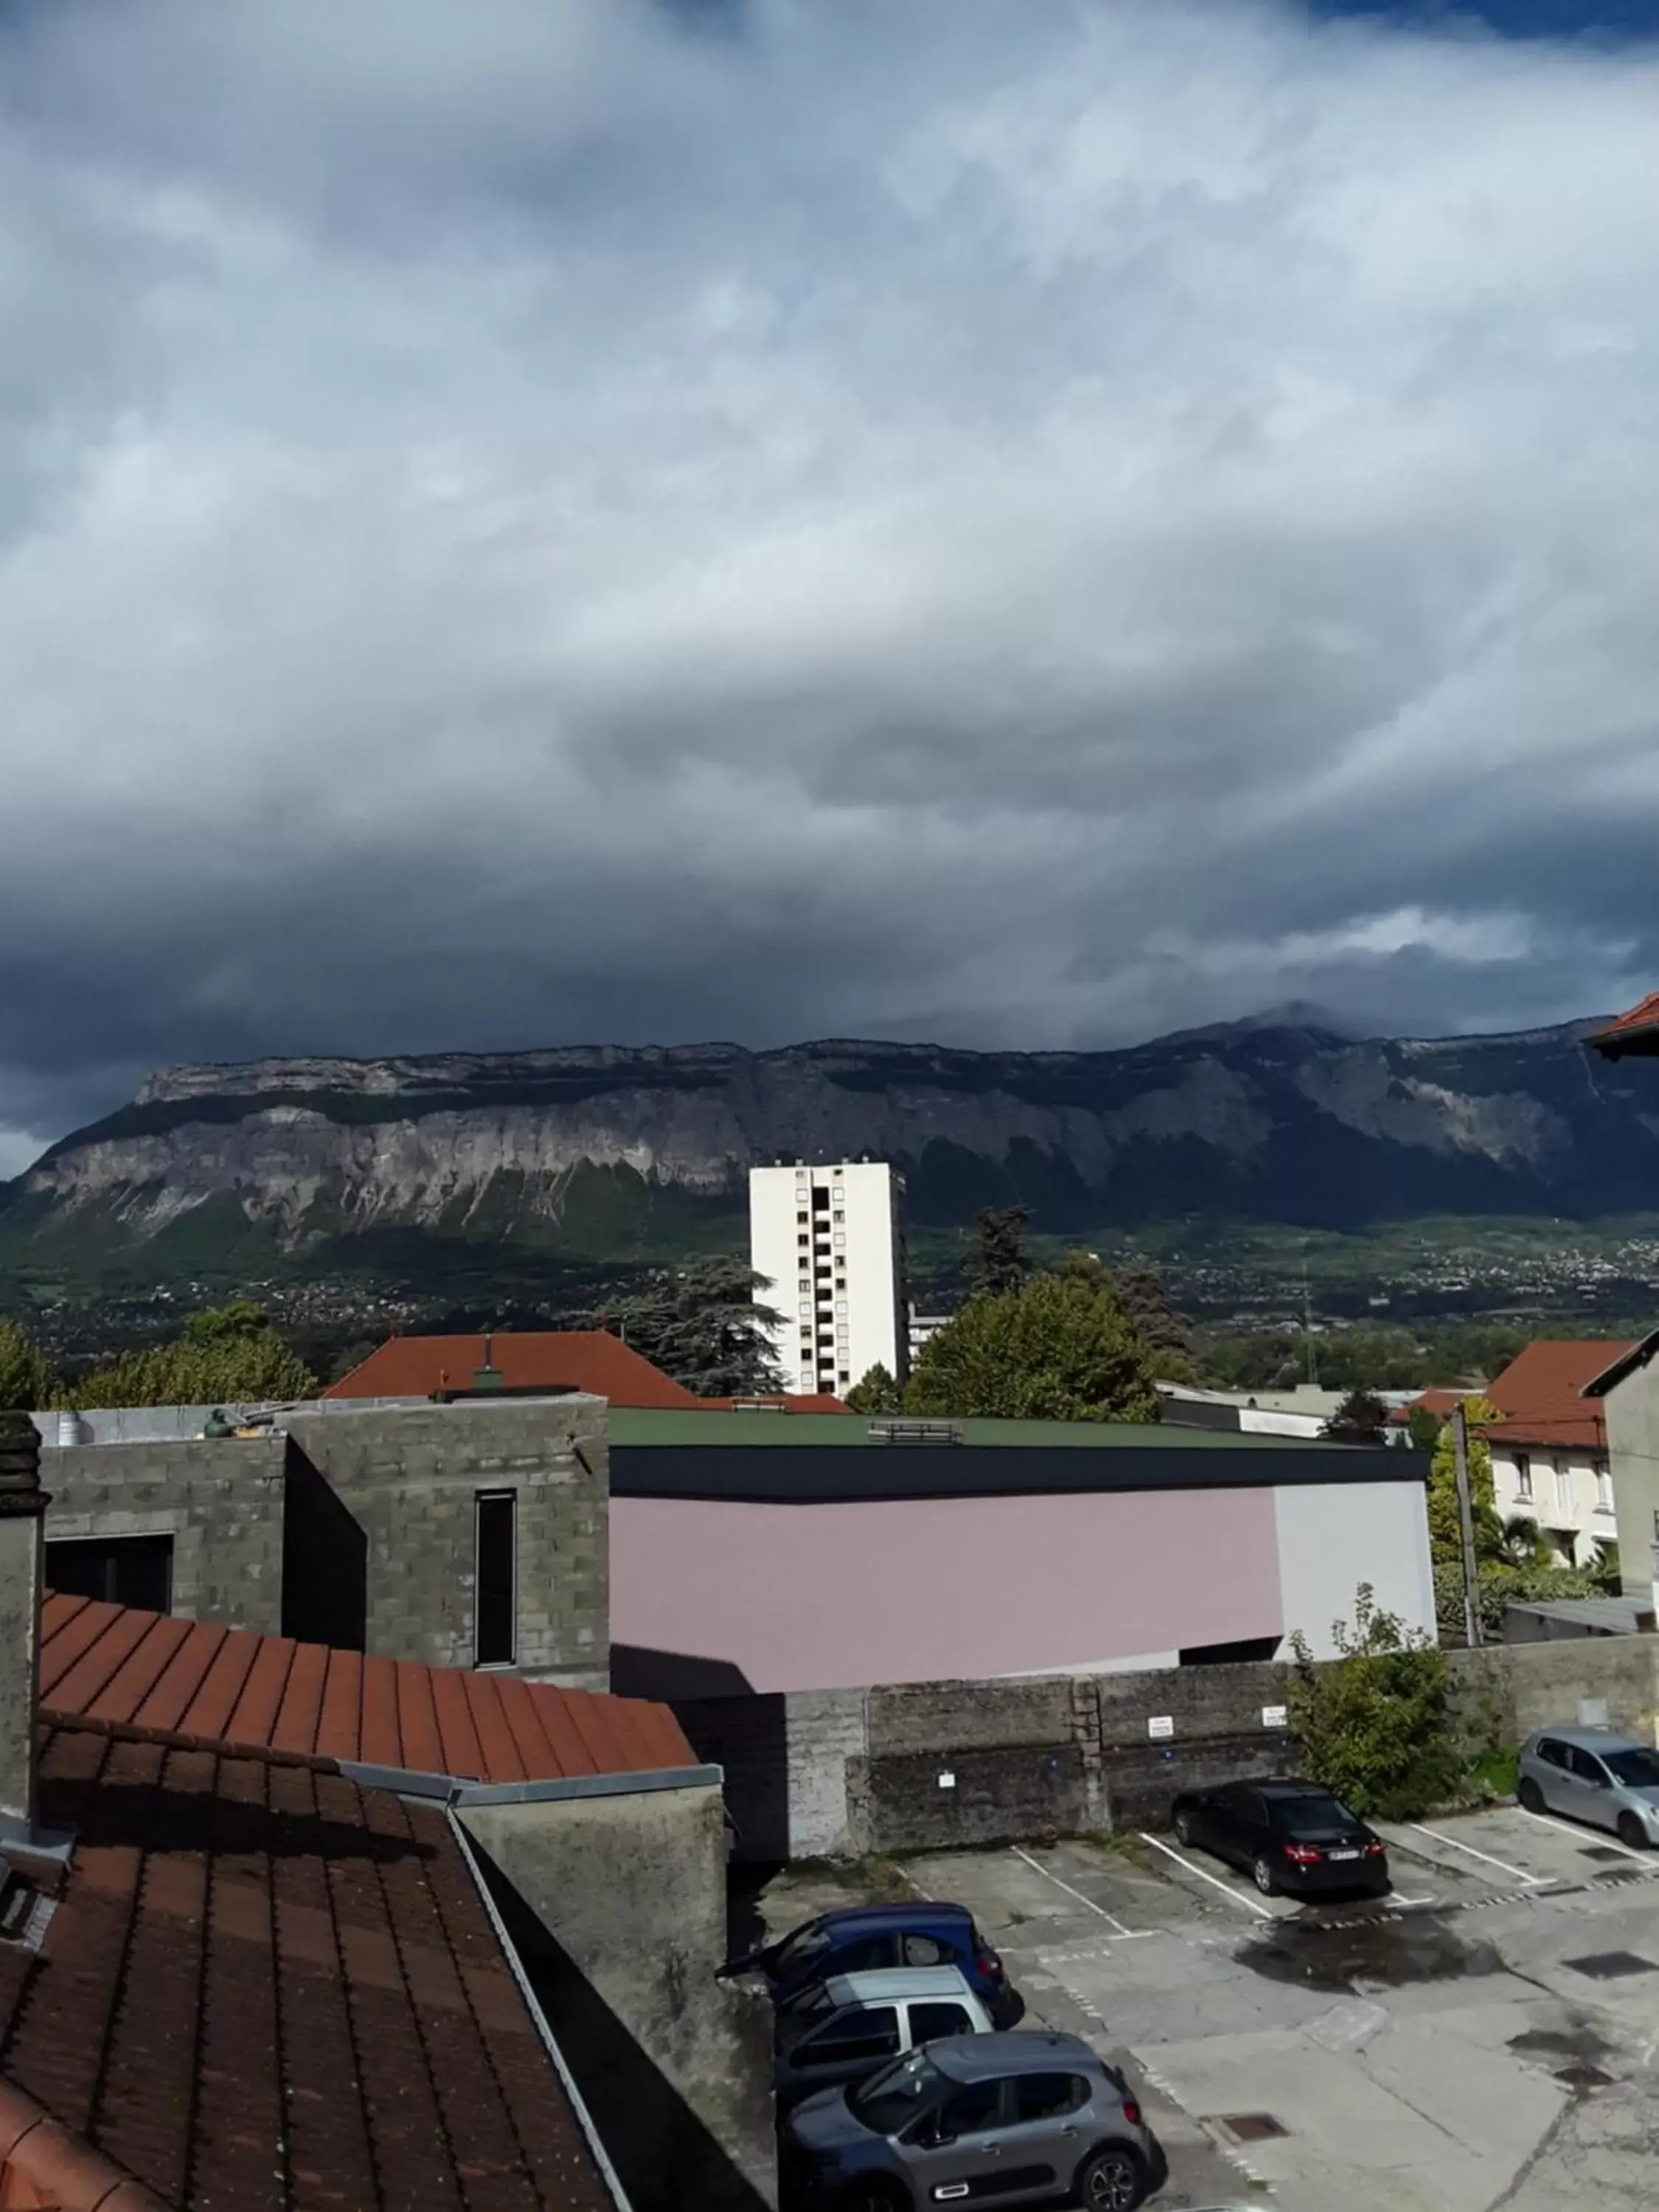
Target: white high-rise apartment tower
{"points": [[831, 1241]]}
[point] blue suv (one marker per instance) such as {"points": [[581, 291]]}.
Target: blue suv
{"points": [[863, 1938]]}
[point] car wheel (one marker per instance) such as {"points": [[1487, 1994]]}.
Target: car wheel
{"points": [[1265, 1880], [1631, 1832], [1113, 2180], [1183, 1827], [1531, 1796]]}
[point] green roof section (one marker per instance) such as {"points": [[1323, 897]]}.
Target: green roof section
{"points": [[638, 1425]]}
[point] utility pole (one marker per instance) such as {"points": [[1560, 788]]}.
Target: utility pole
{"points": [[1466, 1521]]}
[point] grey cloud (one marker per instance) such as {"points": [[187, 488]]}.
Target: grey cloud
{"points": [[1028, 523]]}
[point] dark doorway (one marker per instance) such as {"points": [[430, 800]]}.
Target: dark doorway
{"points": [[495, 1629], [121, 1570]]}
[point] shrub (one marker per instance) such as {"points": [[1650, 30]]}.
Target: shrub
{"points": [[1376, 1721]]}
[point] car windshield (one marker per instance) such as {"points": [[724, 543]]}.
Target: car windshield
{"points": [[897, 2094], [1636, 1768], [1312, 1815], [808, 2004], [795, 1950]]}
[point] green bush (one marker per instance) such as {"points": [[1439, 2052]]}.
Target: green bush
{"points": [[1501, 1585], [1375, 1722]]}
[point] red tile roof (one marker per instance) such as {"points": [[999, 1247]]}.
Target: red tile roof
{"points": [[1637, 1031], [191, 1681], [263, 1988], [528, 1359], [45, 2168], [1440, 1403], [1539, 1397]]}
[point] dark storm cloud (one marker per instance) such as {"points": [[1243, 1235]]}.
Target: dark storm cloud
{"points": [[1027, 523]]}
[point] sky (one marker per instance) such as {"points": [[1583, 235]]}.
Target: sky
{"points": [[1028, 523]]}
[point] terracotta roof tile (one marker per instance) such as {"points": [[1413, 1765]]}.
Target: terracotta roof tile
{"points": [[1539, 1395], [193, 1681], [590, 1359], [264, 1988], [527, 1359], [1635, 1029]]}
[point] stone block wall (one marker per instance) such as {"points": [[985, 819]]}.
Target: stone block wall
{"points": [[220, 1499], [384, 1499], [930, 1765], [410, 1476]]}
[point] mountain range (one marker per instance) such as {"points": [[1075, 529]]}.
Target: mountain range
{"points": [[614, 1153]]}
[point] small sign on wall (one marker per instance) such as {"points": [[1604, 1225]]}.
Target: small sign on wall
{"points": [[1275, 1717], [947, 1780], [1160, 1727]]}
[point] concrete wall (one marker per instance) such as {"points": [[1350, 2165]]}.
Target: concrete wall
{"points": [[1566, 1495], [830, 1595], [220, 1501], [632, 1889], [928, 1766], [822, 1596], [410, 1477], [1631, 1411], [1334, 1536], [268, 1531]]}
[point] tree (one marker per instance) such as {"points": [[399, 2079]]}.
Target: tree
{"points": [[24, 1378], [876, 1392], [1360, 1418], [1606, 1568], [1141, 1294], [705, 1327], [999, 1261], [1376, 1721], [230, 1357], [1445, 1525], [1060, 1349], [1425, 1428]]}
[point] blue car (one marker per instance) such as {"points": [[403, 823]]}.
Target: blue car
{"points": [[864, 1938]]}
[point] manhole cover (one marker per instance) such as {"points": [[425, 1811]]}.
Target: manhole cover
{"points": [[1610, 1965], [1249, 2127]]}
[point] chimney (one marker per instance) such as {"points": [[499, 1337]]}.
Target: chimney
{"points": [[22, 1519]]}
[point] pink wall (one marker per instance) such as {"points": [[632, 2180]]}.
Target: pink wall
{"points": [[822, 1597]]}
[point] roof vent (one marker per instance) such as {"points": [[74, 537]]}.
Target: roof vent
{"points": [[914, 1432]]}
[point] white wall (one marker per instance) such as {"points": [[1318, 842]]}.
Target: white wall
{"points": [[1565, 1493], [1334, 1536], [851, 1262]]}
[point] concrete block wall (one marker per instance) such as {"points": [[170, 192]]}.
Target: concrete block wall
{"points": [[404, 1481], [929, 1766], [410, 1476], [220, 1499]]}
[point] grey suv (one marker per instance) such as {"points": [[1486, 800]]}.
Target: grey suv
{"points": [[1593, 1775], [1017, 2118]]}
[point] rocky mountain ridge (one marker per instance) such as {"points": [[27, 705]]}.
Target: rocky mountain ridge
{"points": [[1289, 1123]]}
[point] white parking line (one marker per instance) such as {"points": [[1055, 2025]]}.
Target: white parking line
{"points": [[1038, 1867], [1226, 1888], [1532, 1881], [1588, 1838]]}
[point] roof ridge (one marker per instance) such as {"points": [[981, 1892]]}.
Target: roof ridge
{"points": [[72, 1723], [65, 2170]]}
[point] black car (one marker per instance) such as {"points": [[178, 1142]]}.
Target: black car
{"points": [[1285, 1835]]}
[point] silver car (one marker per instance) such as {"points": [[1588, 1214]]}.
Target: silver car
{"points": [[1018, 2117], [1591, 1774]]}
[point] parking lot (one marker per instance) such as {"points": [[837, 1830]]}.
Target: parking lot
{"points": [[1486, 2036]]}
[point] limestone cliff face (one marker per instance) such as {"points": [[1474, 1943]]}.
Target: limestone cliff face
{"points": [[1293, 1124]]}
